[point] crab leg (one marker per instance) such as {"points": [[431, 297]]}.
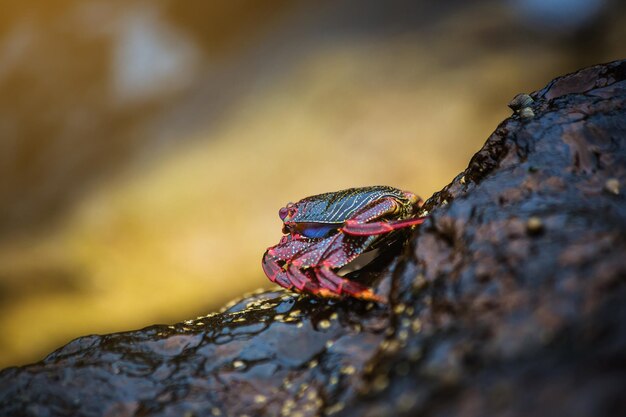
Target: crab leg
{"points": [[301, 280], [338, 285], [291, 278], [361, 224], [304, 282], [336, 252], [355, 228]]}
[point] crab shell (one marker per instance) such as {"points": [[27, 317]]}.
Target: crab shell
{"points": [[326, 231]]}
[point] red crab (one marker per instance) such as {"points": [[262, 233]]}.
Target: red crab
{"points": [[325, 232]]}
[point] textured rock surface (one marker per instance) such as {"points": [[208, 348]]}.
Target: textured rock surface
{"points": [[510, 300]]}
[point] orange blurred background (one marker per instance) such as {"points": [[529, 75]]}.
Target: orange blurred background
{"points": [[146, 146]]}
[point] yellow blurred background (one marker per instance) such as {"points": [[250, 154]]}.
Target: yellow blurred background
{"points": [[147, 145]]}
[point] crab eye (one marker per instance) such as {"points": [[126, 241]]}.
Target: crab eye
{"points": [[287, 211]]}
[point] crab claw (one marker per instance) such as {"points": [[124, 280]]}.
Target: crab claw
{"points": [[275, 272]]}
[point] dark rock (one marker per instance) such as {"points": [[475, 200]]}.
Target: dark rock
{"points": [[510, 300]]}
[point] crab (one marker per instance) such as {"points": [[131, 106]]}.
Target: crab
{"points": [[325, 232]]}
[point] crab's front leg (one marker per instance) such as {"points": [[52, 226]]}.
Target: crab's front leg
{"points": [[292, 277], [361, 224], [321, 258], [340, 285], [279, 269]]}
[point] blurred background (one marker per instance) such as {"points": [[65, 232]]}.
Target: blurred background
{"points": [[147, 145]]}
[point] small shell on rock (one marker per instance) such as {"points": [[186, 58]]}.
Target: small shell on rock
{"points": [[520, 101], [526, 113]]}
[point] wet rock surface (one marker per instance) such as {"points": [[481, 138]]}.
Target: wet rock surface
{"points": [[510, 300], [270, 353]]}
